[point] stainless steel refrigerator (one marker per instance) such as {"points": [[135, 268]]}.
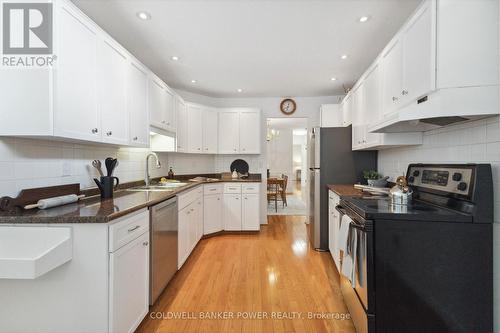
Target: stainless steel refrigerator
{"points": [[331, 161]]}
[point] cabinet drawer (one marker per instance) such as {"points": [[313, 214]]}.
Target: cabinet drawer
{"points": [[128, 228], [213, 189], [186, 198], [232, 188], [250, 188]]}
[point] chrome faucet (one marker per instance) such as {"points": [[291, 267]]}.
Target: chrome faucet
{"points": [[147, 179]]}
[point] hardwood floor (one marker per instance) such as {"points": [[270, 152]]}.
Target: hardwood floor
{"points": [[274, 272]]}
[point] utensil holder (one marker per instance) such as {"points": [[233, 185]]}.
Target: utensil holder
{"points": [[107, 186]]}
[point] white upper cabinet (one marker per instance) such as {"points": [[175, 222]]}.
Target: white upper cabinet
{"points": [[239, 131], [250, 132], [441, 67], [182, 125], [195, 128], [92, 93], [331, 116], [210, 130], [161, 104], [229, 136], [76, 113], [392, 83], [137, 104], [419, 55], [112, 78]]}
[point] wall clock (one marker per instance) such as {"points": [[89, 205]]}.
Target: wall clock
{"points": [[288, 106]]}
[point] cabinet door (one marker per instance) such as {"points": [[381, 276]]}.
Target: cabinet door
{"points": [[347, 112], [392, 78], [210, 131], [249, 126], [229, 139], [371, 105], [331, 115], [251, 212], [193, 228], [195, 128], [182, 126], [419, 55], [232, 212], [137, 104], [183, 236], [357, 119], [170, 119], [76, 114], [212, 216], [157, 102], [129, 285], [199, 219], [112, 70]]}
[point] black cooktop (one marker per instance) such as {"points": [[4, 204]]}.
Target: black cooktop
{"points": [[381, 208]]}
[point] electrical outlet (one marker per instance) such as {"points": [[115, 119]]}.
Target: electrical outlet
{"points": [[66, 169]]}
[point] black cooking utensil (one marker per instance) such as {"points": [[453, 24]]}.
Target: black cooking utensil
{"points": [[110, 165]]}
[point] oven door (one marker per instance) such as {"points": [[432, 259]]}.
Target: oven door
{"points": [[360, 300]]}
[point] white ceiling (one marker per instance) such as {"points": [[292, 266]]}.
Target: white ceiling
{"points": [[265, 47]]}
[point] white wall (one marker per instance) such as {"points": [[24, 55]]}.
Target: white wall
{"points": [[280, 153], [474, 142]]}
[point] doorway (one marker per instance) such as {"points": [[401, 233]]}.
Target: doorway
{"points": [[286, 144]]}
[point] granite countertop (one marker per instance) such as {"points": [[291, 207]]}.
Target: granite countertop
{"points": [[346, 190], [93, 210]]}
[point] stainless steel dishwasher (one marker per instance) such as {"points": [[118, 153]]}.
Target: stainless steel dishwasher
{"points": [[163, 255]]}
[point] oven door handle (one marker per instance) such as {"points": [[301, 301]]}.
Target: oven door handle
{"points": [[342, 211]]}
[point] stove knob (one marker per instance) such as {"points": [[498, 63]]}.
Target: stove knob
{"points": [[411, 179], [416, 173], [457, 177], [462, 186]]}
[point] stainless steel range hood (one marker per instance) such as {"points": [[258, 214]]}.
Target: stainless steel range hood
{"points": [[442, 108]]}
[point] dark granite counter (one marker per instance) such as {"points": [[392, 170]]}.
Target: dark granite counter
{"points": [[346, 190], [93, 210]]}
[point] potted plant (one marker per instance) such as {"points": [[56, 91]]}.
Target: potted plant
{"points": [[374, 178]]}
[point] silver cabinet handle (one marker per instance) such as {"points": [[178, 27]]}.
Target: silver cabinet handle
{"points": [[199, 148], [235, 149], [134, 228], [95, 130], [404, 92], [237, 198], [135, 138], [145, 243], [192, 209], [394, 98], [109, 133], [163, 121], [218, 199]]}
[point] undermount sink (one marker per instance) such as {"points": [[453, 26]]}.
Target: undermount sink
{"points": [[168, 187]]}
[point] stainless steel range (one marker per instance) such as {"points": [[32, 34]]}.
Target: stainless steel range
{"points": [[428, 266]]}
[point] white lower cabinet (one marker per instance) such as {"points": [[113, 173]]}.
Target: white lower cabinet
{"points": [[212, 209], [129, 285], [232, 212], [251, 212], [333, 227], [190, 220]]}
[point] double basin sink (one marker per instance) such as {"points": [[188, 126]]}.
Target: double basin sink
{"points": [[166, 187]]}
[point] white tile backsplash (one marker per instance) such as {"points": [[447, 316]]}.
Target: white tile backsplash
{"points": [[473, 142], [28, 163]]}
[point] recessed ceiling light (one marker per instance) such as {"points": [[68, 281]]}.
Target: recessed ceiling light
{"points": [[193, 81], [333, 79], [240, 90], [343, 57], [363, 19], [174, 58], [144, 15]]}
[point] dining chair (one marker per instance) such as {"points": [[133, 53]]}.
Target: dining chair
{"points": [[284, 185], [273, 192]]}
